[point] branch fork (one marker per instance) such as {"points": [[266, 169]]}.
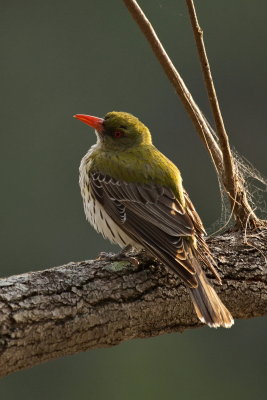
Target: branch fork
{"points": [[220, 153]]}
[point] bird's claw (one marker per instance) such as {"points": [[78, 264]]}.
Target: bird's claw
{"points": [[118, 258], [122, 256]]}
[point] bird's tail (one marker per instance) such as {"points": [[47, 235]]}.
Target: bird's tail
{"points": [[209, 308]]}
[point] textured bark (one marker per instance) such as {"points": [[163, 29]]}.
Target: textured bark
{"points": [[85, 305]]}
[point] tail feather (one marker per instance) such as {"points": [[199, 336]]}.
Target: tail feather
{"points": [[209, 308]]}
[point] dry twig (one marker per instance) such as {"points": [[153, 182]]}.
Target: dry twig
{"points": [[178, 83], [221, 155]]}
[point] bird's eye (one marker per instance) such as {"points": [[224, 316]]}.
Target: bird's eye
{"points": [[117, 134]]}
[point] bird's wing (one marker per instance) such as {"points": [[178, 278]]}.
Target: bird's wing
{"points": [[202, 251], [152, 216]]}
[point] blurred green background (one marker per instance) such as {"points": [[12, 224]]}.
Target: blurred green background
{"points": [[59, 58]]}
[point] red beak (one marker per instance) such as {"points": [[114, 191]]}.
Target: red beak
{"points": [[94, 122]]}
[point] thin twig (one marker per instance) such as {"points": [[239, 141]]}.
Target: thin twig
{"points": [[213, 99], [175, 78], [231, 180], [241, 209]]}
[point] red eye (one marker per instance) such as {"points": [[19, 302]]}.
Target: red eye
{"points": [[117, 134]]}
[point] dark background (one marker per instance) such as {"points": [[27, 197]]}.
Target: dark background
{"points": [[59, 58]]}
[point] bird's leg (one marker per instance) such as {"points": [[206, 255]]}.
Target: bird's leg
{"points": [[121, 255]]}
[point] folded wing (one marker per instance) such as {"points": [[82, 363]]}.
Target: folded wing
{"points": [[152, 216]]}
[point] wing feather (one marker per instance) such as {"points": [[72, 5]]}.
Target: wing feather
{"points": [[152, 216]]}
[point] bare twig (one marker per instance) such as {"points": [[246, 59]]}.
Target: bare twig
{"points": [[231, 179], [222, 135], [221, 156], [86, 305], [181, 89]]}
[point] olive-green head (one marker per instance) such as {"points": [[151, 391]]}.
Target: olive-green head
{"points": [[118, 130]]}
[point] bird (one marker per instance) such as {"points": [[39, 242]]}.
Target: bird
{"points": [[134, 196]]}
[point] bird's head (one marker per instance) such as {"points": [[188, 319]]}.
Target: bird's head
{"points": [[118, 130]]}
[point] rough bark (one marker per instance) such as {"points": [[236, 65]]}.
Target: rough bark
{"points": [[89, 304]]}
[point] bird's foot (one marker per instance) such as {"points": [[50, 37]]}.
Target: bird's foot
{"points": [[122, 259], [121, 255]]}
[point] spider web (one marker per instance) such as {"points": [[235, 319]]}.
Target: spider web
{"points": [[255, 186]]}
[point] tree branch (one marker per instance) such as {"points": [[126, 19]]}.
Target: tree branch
{"points": [[86, 305]]}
